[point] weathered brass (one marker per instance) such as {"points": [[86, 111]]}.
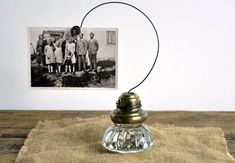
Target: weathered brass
{"points": [[128, 110]]}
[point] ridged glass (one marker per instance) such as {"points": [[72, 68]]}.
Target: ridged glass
{"points": [[127, 138]]}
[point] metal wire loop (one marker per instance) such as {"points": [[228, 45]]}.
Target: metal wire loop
{"points": [[155, 30]]}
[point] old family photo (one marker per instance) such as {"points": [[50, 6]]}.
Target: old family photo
{"points": [[59, 58]]}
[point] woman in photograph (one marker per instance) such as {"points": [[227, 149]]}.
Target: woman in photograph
{"points": [[58, 54], [49, 54]]}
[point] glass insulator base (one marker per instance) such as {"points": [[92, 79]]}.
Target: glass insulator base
{"points": [[127, 138]]}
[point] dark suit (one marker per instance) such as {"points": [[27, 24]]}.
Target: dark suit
{"points": [[81, 49], [63, 46], [93, 47]]}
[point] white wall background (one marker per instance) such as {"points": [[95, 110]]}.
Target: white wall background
{"points": [[195, 70]]}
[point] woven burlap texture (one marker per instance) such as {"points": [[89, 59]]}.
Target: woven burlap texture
{"points": [[79, 140]]}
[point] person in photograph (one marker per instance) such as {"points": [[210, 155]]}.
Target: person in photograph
{"points": [[44, 55], [74, 31], [93, 47], [63, 45], [58, 54], [49, 54], [75, 40], [82, 51], [67, 61], [40, 50], [70, 58]]}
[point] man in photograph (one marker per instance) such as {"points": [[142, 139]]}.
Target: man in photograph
{"points": [[93, 47], [40, 49], [81, 51]]}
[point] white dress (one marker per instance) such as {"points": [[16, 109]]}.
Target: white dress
{"points": [[58, 55], [49, 54], [71, 48]]}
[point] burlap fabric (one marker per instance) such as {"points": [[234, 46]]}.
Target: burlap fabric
{"points": [[79, 140]]}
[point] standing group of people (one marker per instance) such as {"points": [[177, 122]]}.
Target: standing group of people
{"points": [[67, 52]]}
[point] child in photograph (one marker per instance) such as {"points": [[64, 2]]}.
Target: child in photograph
{"points": [[58, 54], [67, 60], [70, 58], [71, 48], [49, 55]]}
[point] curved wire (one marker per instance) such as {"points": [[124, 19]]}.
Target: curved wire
{"points": [[155, 30]]}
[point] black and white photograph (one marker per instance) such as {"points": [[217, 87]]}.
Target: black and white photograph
{"points": [[62, 58]]}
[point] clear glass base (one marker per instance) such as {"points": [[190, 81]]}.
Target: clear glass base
{"points": [[127, 138]]}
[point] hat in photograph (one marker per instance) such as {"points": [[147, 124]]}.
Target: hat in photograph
{"points": [[75, 30]]}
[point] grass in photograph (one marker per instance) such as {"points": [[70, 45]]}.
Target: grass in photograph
{"points": [[103, 78]]}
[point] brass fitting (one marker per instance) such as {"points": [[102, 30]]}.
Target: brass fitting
{"points": [[128, 110]]}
